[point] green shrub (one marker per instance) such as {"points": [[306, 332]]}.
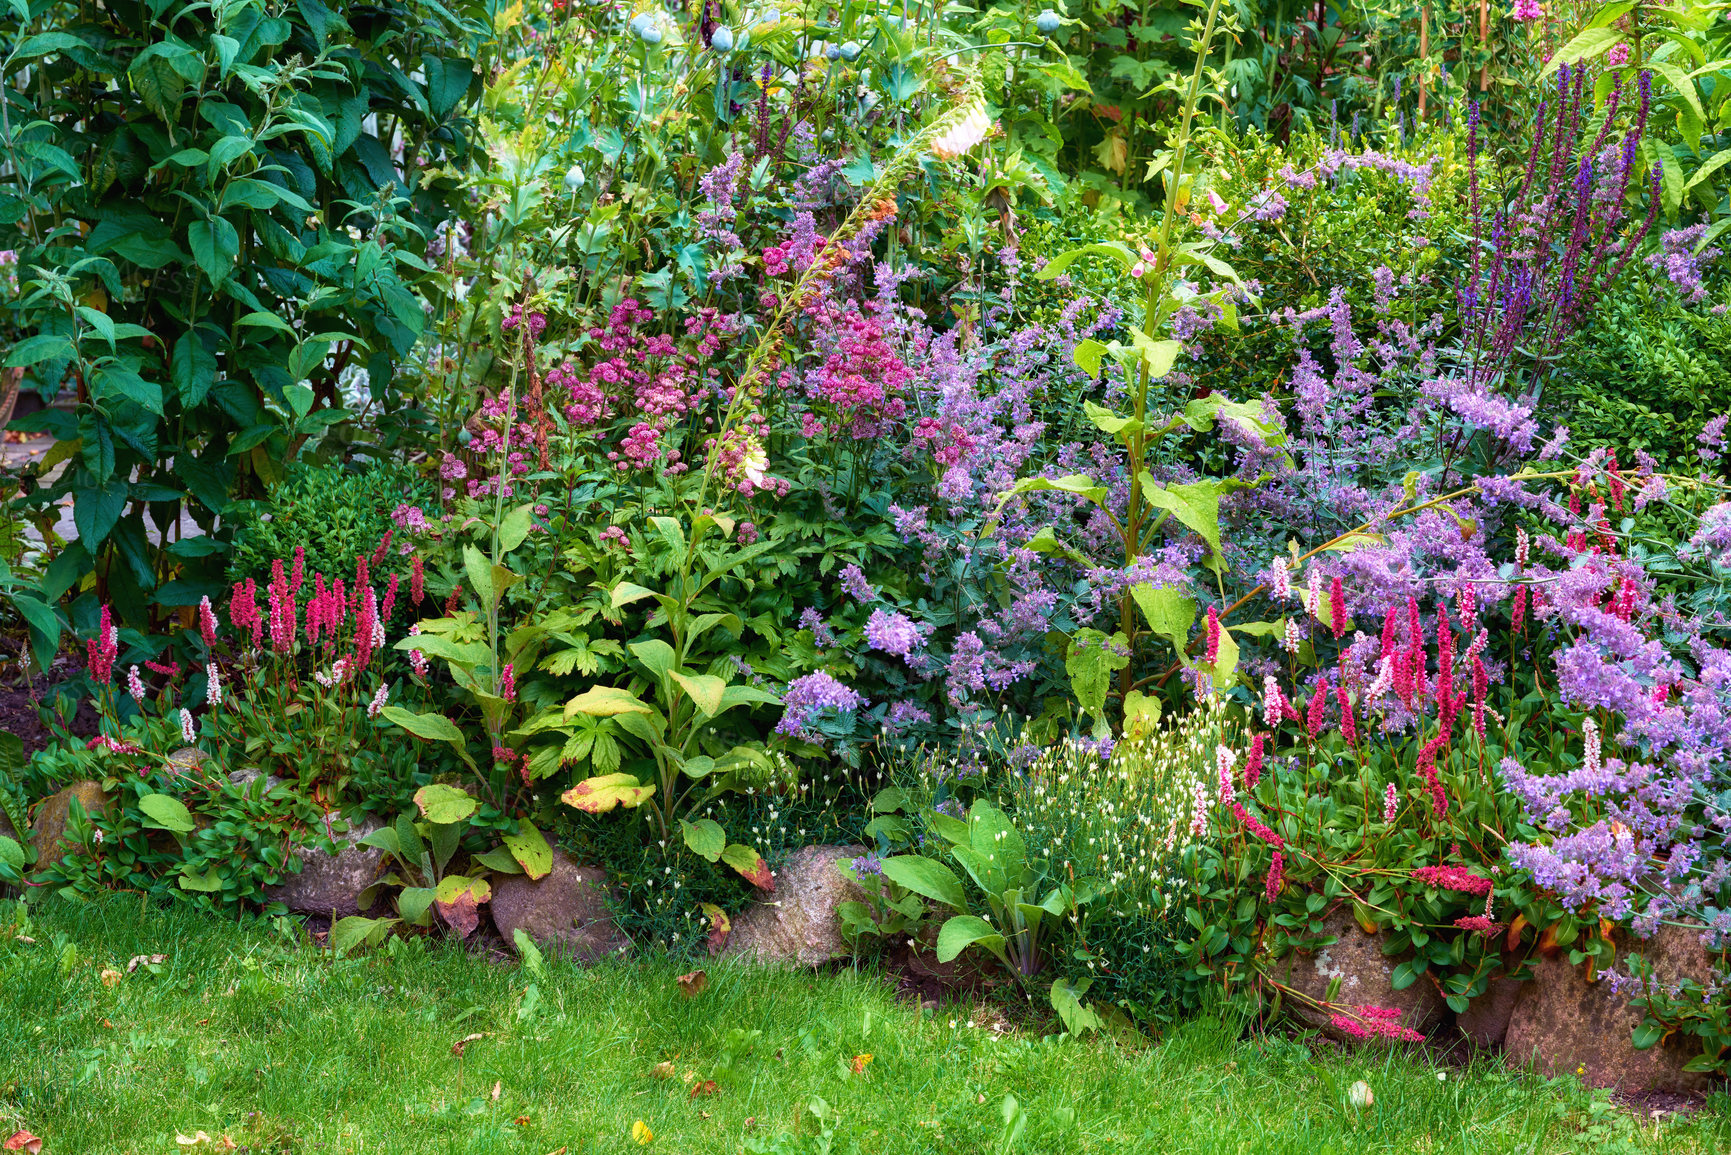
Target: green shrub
{"points": [[1647, 374], [336, 514], [213, 237]]}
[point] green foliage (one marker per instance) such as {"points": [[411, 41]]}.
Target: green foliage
{"points": [[335, 513], [1647, 375], [213, 237], [174, 830]]}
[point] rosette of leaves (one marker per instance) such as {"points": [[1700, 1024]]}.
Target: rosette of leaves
{"points": [[212, 230]]}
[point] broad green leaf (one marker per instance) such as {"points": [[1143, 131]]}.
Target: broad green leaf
{"points": [[602, 793], [1087, 356], [627, 592], [166, 812], [1076, 483], [1196, 504], [355, 931], [1116, 250], [926, 877], [1168, 612], [963, 931], [516, 527], [1159, 356], [656, 655], [1078, 1017], [705, 690], [1090, 663], [705, 837], [529, 847], [1587, 44], [1684, 86], [210, 882], [605, 702], [11, 853], [480, 574], [444, 804], [1109, 422], [432, 727]]}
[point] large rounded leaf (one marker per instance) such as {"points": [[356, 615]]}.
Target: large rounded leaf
{"points": [[166, 812], [926, 877], [705, 837], [444, 804], [964, 931], [602, 793]]}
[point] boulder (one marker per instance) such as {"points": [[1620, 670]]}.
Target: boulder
{"points": [[185, 761], [565, 911], [331, 884], [243, 779], [1366, 980], [797, 924], [48, 828], [1564, 1024], [1486, 1019]]}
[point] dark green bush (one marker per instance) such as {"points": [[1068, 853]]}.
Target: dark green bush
{"points": [[336, 514], [218, 214], [1647, 374]]}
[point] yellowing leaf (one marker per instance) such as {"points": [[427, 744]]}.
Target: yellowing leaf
{"points": [[641, 1133], [602, 793]]}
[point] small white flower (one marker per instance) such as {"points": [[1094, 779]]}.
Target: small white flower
{"points": [[213, 685], [187, 730]]}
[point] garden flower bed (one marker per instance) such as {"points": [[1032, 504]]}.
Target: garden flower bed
{"points": [[1193, 519]]}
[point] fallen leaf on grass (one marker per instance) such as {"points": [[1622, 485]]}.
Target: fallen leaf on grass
{"points": [[110, 977], [860, 1062], [203, 1139], [23, 1141], [642, 1134], [705, 1087], [497, 1087], [661, 1071], [457, 1047], [1360, 1095], [521, 1120], [150, 960], [107, 1024], [694, 983]]}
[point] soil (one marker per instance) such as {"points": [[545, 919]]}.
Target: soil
{"points": [[21, 694]]}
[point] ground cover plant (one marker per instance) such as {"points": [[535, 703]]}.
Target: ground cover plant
{"points": [[1150, 502]]}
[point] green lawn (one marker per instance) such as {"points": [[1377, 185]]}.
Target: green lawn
{"points": [[245, 1034]]}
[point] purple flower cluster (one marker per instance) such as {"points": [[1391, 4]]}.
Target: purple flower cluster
{"points": [[811, 695]]}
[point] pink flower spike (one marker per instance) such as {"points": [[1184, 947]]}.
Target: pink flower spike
{"points": [[1337, 607], [103, 649], [206, 622], [1253, 763], [1213, 655]]}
